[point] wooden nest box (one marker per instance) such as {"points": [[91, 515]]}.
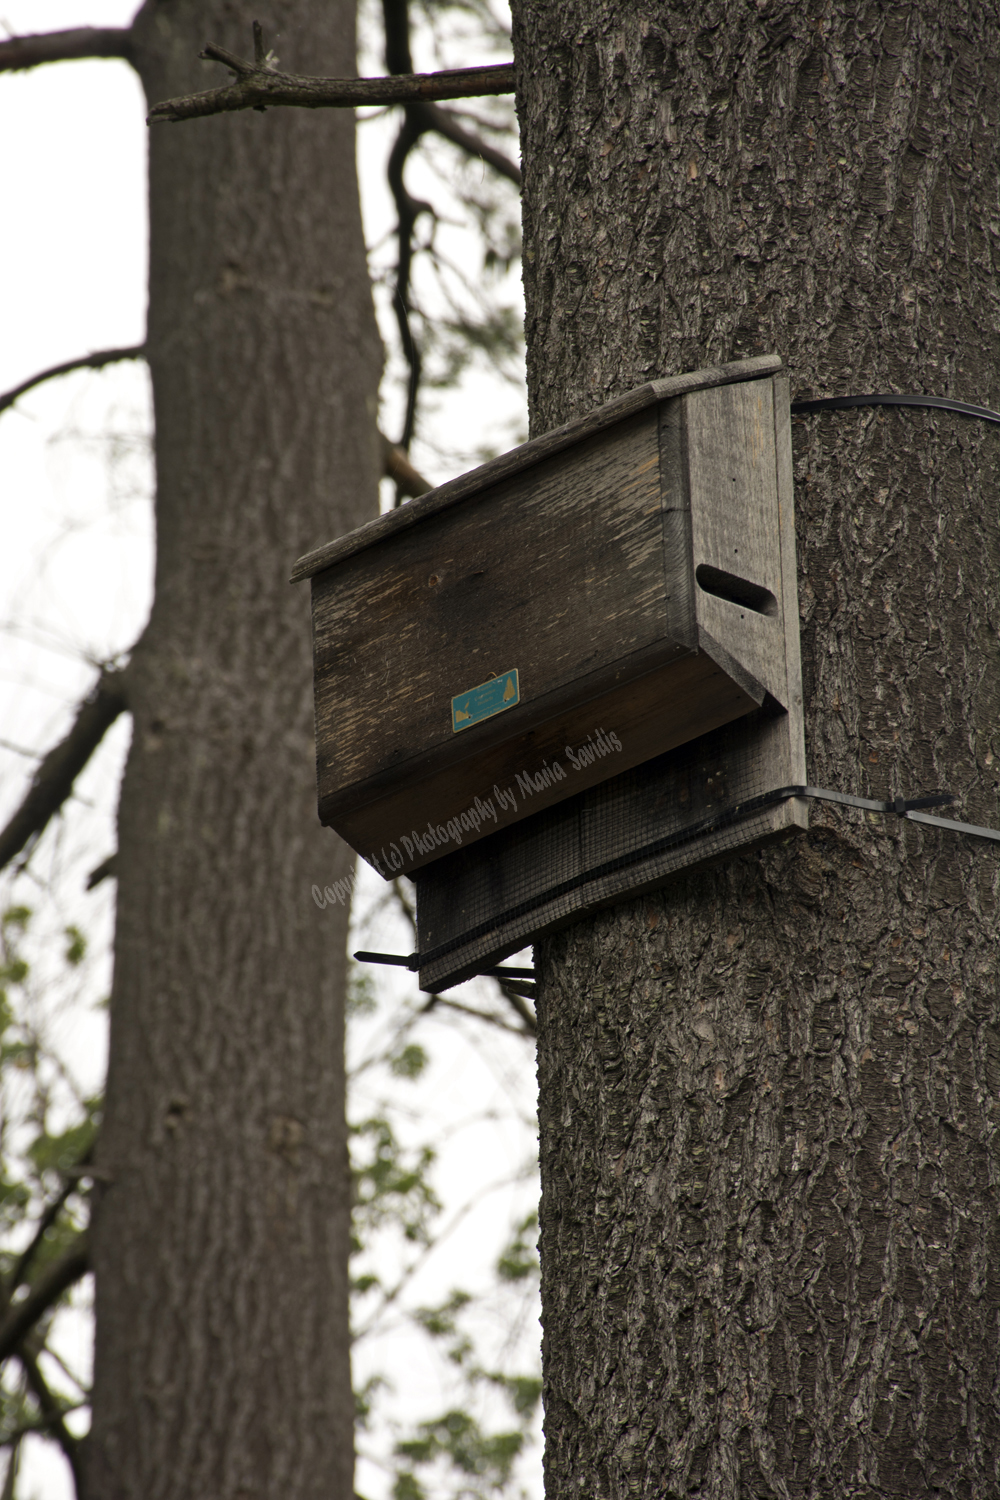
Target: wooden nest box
{"points": [[608, 592]]}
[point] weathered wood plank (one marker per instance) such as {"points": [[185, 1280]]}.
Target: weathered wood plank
{"points": [[692, 694], [478, 906], [734, 526], [557, 574], [789, 582]]}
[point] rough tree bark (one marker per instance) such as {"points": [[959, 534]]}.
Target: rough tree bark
{"points": [[769, 1094], [220, 1242]]}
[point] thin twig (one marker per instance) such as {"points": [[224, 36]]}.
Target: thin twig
{"points": [[85, 362], [409, 481], [391, 1296], [409, 911], [517, 1002], [53, 1414], [408, 209], [85, 1391], [480, 1015], [65, 46], [444, 122], [399, 62], [13, 1442], [106, 870], [396, 464], [57, 1278], [23, 1265], [53, 780]]}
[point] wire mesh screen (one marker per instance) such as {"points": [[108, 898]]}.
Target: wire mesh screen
{"points": [[626, 836]]}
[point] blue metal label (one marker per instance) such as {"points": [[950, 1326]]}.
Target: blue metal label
{"points": [[483, 702]]}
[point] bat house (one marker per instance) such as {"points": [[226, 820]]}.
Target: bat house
{"points": [[542, 630]]}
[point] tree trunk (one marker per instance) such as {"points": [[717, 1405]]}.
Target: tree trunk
{"points": [[769, 1093], [221, 1238]]}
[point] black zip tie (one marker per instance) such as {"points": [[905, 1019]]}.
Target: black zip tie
{"points": [[972, 829], [411, 961], [402, 961], [903, 807], [941, 403], [899, 805]]}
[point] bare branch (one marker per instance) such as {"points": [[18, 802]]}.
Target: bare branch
{"points": [[517, 1002], [52, 1414], [409, 481], [106, 870], [57, 1278], [396, 464], [263, 87], [444, 122], [65, 46], [85, 362], [407, 907], [408, 209], [48, 1218], [53, 781], [470, 1010]]}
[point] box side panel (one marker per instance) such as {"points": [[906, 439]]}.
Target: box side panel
{"points": [[556, 572], [789, 579], [736, 551]]}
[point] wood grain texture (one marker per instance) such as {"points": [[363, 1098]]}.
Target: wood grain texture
{"points": [[557, 573], [789, 583], [735, 522], [666, 707]]}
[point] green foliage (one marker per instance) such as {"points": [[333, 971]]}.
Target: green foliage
{"points": [[465, 1446], [46, 1133], [458, 1442], [59, 1152], [361, 998], [442, 1322], [523, 1391], [76, 946], [364, 1398], [407, 1487], [458, 1438], [519, 1258], [409, 1062], [391, 1185]]}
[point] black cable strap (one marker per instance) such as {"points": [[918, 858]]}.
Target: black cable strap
{"points": [[412, 961], [908, 808], [941, 403]]}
